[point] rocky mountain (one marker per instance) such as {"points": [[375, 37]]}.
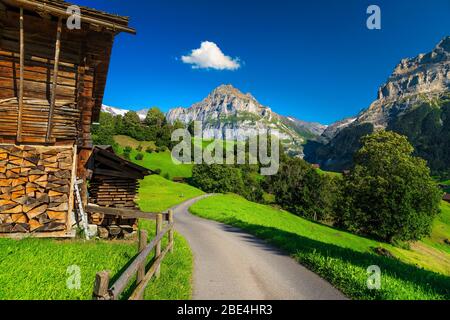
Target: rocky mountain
{"points": [[228, 109], [121, 112], [306, 129], [414, 101]]}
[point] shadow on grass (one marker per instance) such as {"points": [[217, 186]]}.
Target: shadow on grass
{"points": [[315, 255]]}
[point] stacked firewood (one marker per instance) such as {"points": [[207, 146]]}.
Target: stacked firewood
{"points": [[35, 186], [113, 192]]}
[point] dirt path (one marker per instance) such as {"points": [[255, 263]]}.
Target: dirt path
{"points": [[231, 264]]}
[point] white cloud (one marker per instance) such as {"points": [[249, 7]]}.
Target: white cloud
{"points": [[209, 56]]}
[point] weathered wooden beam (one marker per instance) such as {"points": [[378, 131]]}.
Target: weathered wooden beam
{"points": [[125, 213], [140, 289], [101, 286], [55, 79], [122, 283], [21, 75], [159, 225], [143, 236], [171, 232], [62, 13]]}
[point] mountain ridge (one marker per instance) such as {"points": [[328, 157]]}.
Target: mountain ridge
{"points": [[226, 109], [412, 102]]}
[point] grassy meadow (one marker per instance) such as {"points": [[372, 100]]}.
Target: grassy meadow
{"points": [[38, 267], [340, 257], [156, 160]]}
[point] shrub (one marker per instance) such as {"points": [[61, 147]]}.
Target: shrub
{"points": [[127, 152], [139, 148], [139, 157], [301, 190], [149, 150]]}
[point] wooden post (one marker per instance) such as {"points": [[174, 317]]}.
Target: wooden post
{"points": [[159, 224], [55, 79], [143, 236], [171, 232], [101, 286], [22, 64]]}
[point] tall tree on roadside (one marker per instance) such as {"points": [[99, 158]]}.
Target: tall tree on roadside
{"points": [[389, 194]]}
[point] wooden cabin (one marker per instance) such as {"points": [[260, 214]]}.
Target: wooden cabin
{"points": [[52, 81], [113, 184]]}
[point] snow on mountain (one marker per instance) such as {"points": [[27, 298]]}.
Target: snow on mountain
{"points": [[121, 112]]}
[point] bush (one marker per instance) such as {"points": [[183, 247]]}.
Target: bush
{"points": [[139, 157], [139, 148], [389, 195], [149, 150], [242, 180], [127, 152], [300, 189]]}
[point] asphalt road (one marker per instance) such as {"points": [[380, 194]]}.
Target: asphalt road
{"points": [[231, 264]]}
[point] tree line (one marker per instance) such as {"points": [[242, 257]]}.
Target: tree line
{"points": [[388, 194], [154, 128]]}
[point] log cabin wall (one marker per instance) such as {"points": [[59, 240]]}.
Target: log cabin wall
{"points": [[81, 78], [52, 82]]}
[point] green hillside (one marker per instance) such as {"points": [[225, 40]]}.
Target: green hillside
{"points": [[340, 257], [158, 194], [156, 160]]}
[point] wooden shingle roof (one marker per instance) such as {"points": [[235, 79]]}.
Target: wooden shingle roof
{"points": [[58, 8], [104, 161]]}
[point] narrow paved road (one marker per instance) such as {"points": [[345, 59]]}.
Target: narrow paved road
{"points": [[231, 264]]}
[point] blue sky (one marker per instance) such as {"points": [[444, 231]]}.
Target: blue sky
{"points": [[314, 60]]}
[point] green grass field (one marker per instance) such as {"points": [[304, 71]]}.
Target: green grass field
{"points": [[36, 269], [155, 160], [158, 194], [340, 257], [128, 141], [330, 173]]}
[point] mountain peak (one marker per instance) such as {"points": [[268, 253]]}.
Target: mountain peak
{"points": [[425, 74], [230, 90], [444, 44]]}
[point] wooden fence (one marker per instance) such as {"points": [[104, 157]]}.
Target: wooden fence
{"points": [[102, 289]]}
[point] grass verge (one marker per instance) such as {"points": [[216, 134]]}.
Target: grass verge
{"points": [[340, 257]]}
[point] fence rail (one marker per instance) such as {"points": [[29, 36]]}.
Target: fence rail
{"points": [[102, 290]]}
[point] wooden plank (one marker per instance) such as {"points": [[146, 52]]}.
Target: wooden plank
{"points": [[140, 289], [70, 216], [159, 224], [121, 284], [125, 213], [101, 286], [22, 58], [171, 231], [143, 236], [118, 174], [55, 79]]}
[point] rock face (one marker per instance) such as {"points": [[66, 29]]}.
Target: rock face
{"points": [[228, 109], [413, 100], [332, 130]]}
